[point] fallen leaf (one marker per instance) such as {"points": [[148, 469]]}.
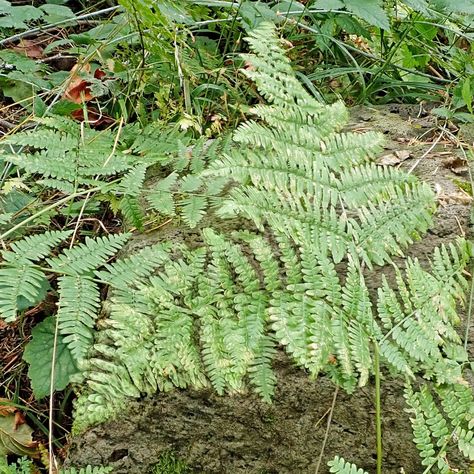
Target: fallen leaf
{"points": [[29, 48], [456, 164], [16, 439], [394, 158], [78, 90], [6, 407]]}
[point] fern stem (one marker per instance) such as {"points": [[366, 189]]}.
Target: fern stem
{"points": [[378, 409], [469, 310]]}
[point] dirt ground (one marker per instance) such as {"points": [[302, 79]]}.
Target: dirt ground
{"points": [[242, 434]]}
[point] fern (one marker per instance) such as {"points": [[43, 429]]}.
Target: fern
{"points": [[185, 191], [19, 277], [340, 466], [435, 429], [294, 173], [214, 314], [70, 158]]}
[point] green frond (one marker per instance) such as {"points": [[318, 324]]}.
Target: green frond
{"points": [[132, 182], [35, 247], [86, 257], [79, 302], [161, 197], [340, 466], [193, 209], [419, 322], [135, 268], [458, 404], [18, 280], [428, 424], [132, 211]]}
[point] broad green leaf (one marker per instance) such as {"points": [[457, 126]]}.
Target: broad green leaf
{"points": [[369, 11], [57, 12], [39, 354], [16, 439]]}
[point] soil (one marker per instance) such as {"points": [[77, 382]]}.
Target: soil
{"points": [[242, 434]]}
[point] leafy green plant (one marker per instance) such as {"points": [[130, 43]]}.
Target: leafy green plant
{"points": [[69, 334], [339, 466], [214, 315], [22, 466]]}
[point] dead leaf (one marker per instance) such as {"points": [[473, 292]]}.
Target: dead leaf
{"points": [[16, 439], [29, 48], [79, 88], [6, 407], [395, 158], [453, 197], [456, 164], [19, 419]]}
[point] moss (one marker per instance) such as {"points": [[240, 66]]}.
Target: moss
{"points": [[168, 464]]}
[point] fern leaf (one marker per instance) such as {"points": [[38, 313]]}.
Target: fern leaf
{"points": [[18, 281], [193, 210], [79, 303], [340, 466], [132, 211], [130, 270], [161, 198], [86, 257], [35, 247]]}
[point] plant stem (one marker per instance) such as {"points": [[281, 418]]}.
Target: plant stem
{"points": [[378, 409]]}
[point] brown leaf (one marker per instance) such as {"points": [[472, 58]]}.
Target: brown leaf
{"points": [[29, 48], [456, 164], [16, 439], [78, 90], [19, 419], [6, 407], [394, 158]]}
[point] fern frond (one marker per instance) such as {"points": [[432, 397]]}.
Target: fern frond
{"points": [[19, 278], [340, 466], [193, 209], [427, 423], [161, 198], [135, 268], [86, 257], [132, 211], [35, 247], [79, 302]]}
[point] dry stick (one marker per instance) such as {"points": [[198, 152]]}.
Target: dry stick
{"points": [[438, 139], [328, 427]]}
